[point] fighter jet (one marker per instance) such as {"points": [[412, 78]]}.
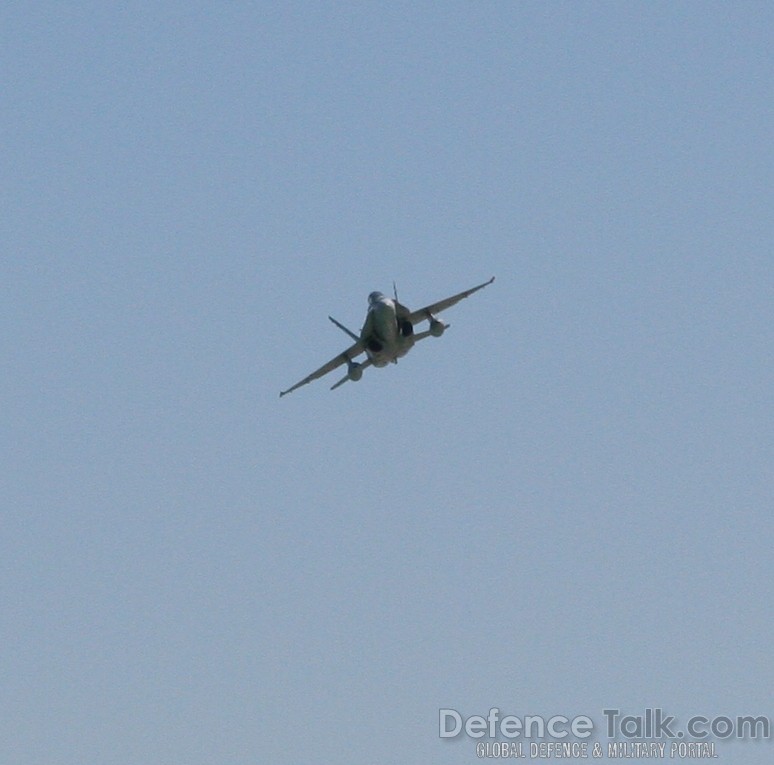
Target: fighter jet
{"points": [[387, 335]]}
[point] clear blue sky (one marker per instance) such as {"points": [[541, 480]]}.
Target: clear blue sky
{"points": [[563, 505]]}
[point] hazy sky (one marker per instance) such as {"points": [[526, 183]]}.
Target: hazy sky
{"points": [[564, 505]]}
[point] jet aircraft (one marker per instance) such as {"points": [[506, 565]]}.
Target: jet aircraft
{"points": [[387, 335]]}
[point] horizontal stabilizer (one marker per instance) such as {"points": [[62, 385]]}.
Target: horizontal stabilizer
{"points": [[344, 329]]}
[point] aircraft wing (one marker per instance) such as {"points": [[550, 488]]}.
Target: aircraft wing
{"points": [[354, 350], [430, 310]]}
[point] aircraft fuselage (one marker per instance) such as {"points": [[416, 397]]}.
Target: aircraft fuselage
{"points": [[385, 338]]}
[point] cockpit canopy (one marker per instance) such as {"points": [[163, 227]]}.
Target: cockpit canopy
{"points": [[375, 297]]}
